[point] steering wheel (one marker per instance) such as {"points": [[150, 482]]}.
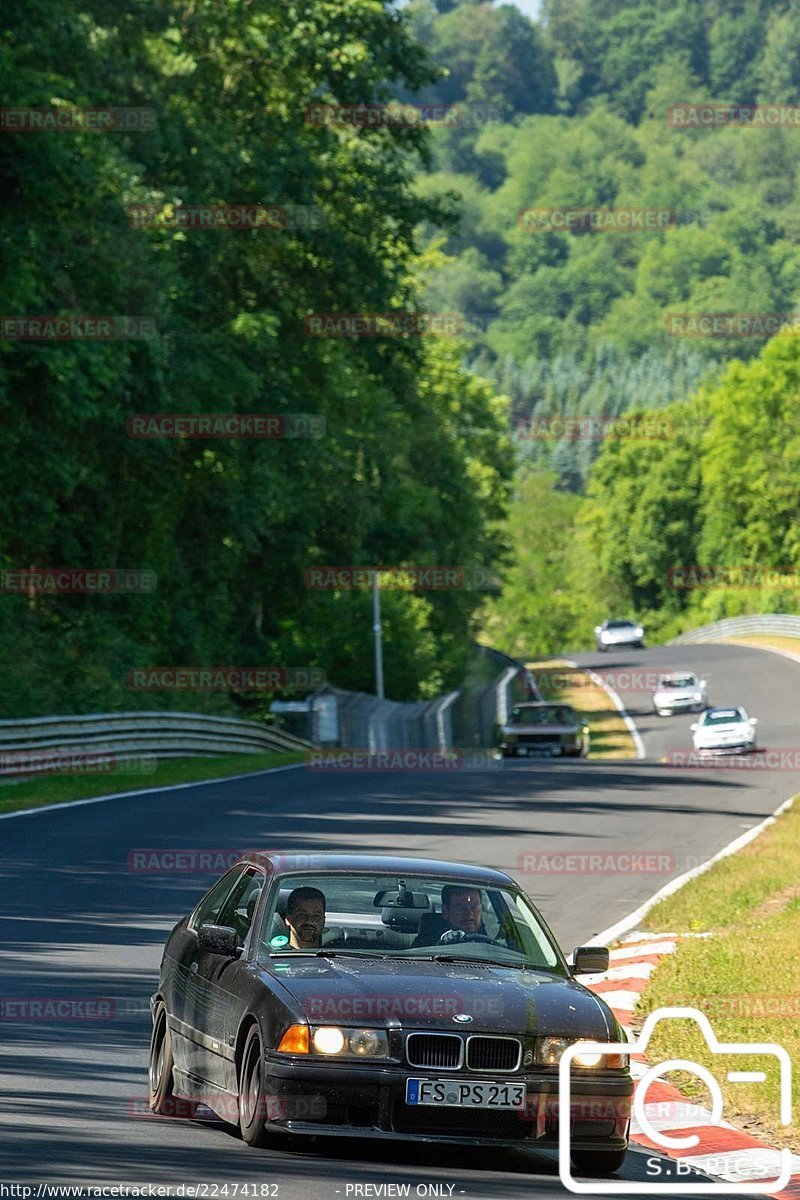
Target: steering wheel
{"points": [[459, 935]]}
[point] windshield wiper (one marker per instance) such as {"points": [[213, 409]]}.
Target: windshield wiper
{"points": [[323, 953], [486, 962]]}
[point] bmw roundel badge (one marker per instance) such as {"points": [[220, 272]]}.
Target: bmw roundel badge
{"points": [[462, 1018]]}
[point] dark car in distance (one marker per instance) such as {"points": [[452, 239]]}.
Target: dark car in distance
{"points": [[393, 1025], [544, 729]]}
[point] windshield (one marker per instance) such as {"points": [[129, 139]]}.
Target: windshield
{"points": [[679, 681], [555, 714], [723, 716], [411, 917], [620, 624]]}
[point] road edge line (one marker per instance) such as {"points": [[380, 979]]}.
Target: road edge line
{"points": [[168, 787], [627, 923], [620, 707]]}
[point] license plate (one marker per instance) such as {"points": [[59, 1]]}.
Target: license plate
{"points": [[450, 1093]]}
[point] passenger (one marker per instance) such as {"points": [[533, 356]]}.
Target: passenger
{"points": [[305, 916]]}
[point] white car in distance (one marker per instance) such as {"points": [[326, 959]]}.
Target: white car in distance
{"points": [[724, 731], [618, 633], [679, 691]]}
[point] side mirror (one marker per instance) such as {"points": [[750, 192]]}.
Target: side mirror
{"points": [[693, 727], [754, 720], [703, 683], [219, 939], [588, 960]]}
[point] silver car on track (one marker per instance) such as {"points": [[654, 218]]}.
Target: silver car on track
{"points": [[679, 691]]}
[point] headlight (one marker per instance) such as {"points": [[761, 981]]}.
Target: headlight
{"points": [[332, 1041], [588, 1059], [697, 696], [639, 631], [550, 1049], [367, 1043], [328, 1040]]}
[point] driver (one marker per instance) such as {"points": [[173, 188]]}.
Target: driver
{"points": [[305, 916], [462, 909]]}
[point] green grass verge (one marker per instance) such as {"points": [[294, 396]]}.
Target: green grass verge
{"points": [[55, 789], [609, 736], [745, 977]]}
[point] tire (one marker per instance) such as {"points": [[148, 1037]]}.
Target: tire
{"points": [[598, 1163], [161, 1098], [252, 1103]]}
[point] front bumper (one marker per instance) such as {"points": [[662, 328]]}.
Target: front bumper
{"points": [[370, 1102], [542, 745], [727, 748]]}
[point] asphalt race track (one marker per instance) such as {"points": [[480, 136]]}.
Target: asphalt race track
{"points": [[77, 923]]}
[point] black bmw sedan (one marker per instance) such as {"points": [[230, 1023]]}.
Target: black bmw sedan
{"points": [[381, 997]]}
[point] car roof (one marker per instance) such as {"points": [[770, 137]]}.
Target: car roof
{"points": [[678, 674], [278, 864]]}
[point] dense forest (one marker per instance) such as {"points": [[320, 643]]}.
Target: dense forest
{"points": [[577, 111], [414, 464], [427, 455]]}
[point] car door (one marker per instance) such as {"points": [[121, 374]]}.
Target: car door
{"points": [[184, 1000], [214, 1000]]}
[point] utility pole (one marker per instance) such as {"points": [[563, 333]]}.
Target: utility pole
{"points": [[376, 629]]}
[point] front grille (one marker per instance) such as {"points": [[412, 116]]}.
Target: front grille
{"points": [[443, 1051], [459, 1122], [493, 1053]]}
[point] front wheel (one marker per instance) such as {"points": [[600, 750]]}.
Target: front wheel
{"points": [[597, 1163], [253, 1095], [161, 1098]]}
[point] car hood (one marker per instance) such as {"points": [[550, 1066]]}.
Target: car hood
{"points": [[735, 729], [422, 994], [677, 693]]}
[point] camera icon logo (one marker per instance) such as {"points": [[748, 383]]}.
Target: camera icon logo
{"points": [[660, 1138]]}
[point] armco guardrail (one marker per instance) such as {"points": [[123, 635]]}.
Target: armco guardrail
{"points": [[778, 623], [129, 734], [464, 718]]}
